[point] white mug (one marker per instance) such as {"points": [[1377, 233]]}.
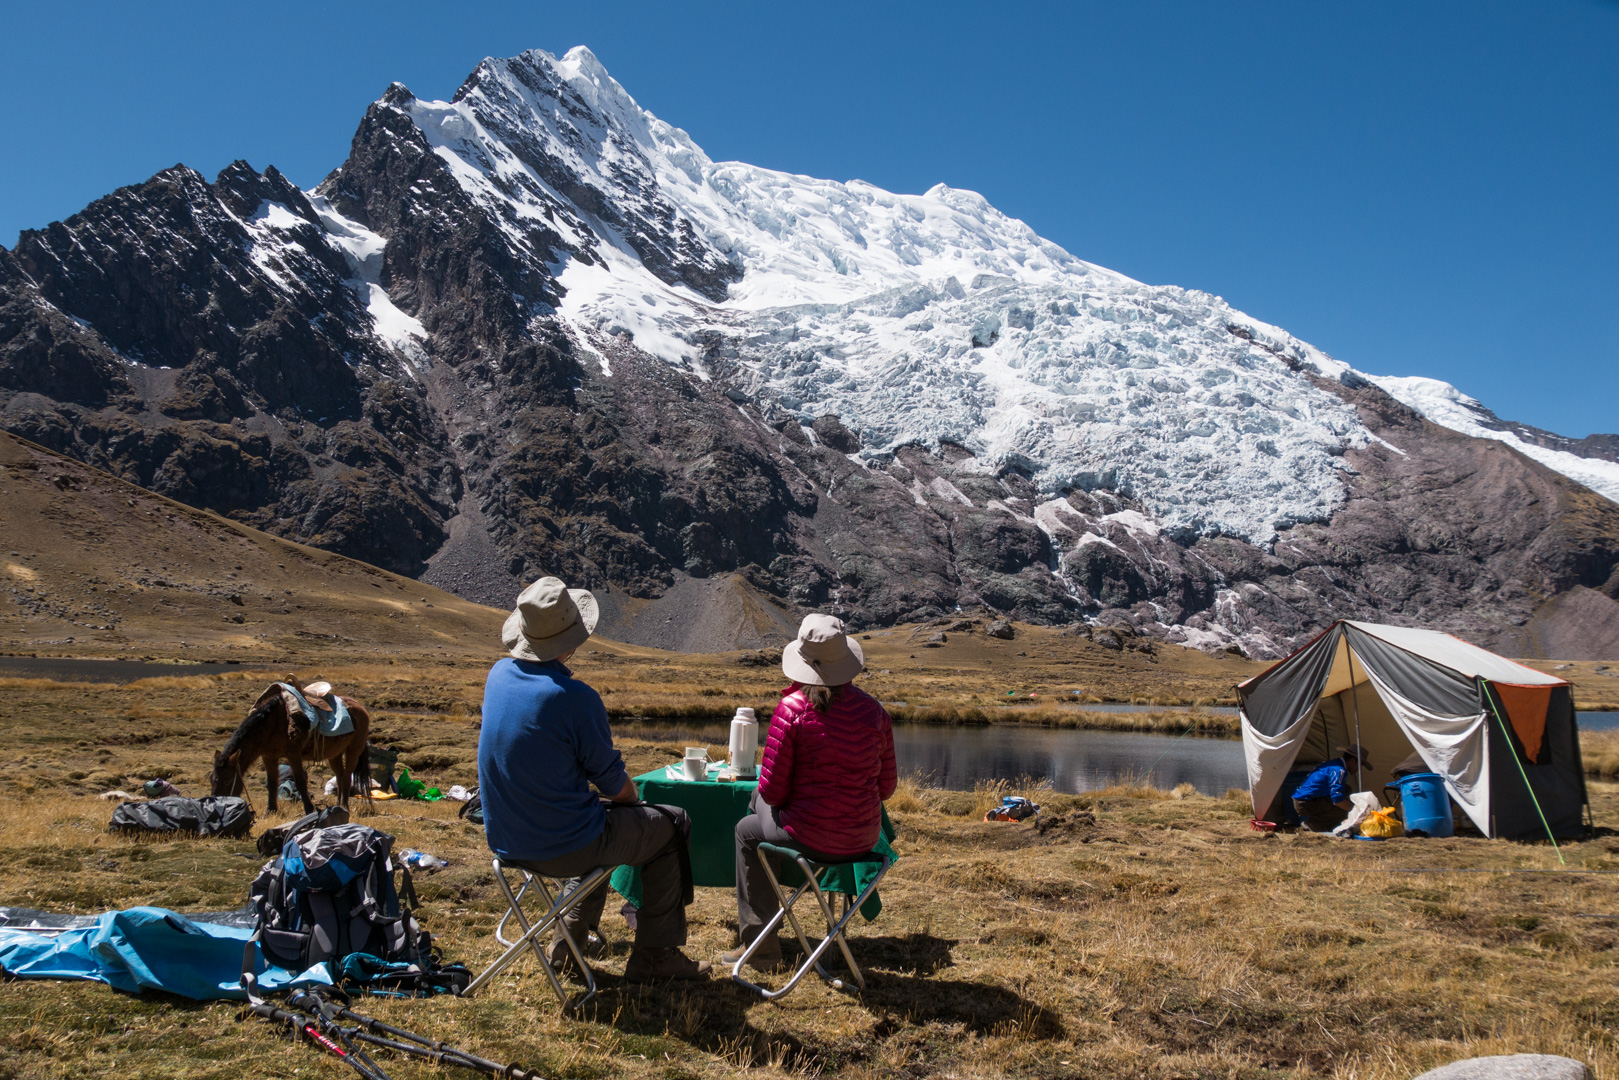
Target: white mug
{"points": [[696, 763]]}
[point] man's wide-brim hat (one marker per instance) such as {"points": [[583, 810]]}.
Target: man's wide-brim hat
{"points": [[822, 655], [1355, 750], [550, 619]]}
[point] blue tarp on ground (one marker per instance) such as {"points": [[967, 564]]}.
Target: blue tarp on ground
{"points": [[148, 948]]}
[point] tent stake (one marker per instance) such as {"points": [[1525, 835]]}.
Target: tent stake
{"points": [[1507, 734]]}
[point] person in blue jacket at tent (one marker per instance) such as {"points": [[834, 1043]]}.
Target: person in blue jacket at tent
{"points": [[1323, 799]]}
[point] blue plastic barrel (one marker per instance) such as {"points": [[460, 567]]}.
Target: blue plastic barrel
{"points": [[1425, 805]]}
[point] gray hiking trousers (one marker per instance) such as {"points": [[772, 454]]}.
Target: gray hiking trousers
{"points": [[634, 836], [756, 901]]}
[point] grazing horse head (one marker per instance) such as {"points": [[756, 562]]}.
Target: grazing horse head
{"points": [[226, 777]]}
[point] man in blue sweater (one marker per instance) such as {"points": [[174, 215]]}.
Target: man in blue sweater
{"points": [[1322, 800], [543, 745]]}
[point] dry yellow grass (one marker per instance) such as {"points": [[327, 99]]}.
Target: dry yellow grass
{"points": [[1600, 752], [1143, 933]]}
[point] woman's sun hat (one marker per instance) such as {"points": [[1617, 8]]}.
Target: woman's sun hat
{"points": [[550, 619], [822, 655]]}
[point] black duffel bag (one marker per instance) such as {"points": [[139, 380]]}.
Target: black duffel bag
{"points": [[214, 815]]}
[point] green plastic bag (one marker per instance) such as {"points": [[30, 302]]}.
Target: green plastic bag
{"points": [[411, 788]]}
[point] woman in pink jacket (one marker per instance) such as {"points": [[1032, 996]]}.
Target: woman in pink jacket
{"points": [[828, 765]]}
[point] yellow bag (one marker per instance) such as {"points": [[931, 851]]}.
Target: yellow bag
{"points": [[1382, 824]]}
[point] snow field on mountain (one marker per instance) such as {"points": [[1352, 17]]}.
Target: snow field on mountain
{"points": [[362, 250], [1136, 389], [1449, 407]]}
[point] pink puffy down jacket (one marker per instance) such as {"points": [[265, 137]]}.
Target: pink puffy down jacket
{"points": [[828, 773]]}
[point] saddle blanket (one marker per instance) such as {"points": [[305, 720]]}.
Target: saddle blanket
{"points": [[326, 722]]}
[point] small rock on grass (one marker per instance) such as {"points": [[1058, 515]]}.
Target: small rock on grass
{"points": [[1511, 1067]]}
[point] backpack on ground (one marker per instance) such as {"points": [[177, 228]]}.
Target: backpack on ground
{"points": [[1012, 808], [329, 897], [472, 810], [222, 815]]}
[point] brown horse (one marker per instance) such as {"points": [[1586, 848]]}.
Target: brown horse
{"points": [[270, 734]]}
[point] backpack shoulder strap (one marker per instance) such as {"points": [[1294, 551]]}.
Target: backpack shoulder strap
{"points": [[324, 929]]}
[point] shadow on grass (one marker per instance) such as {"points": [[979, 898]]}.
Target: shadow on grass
{"points": [[921, 954], [714, 1017], [982, 1008]]}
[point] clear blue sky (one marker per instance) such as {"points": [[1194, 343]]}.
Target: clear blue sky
{"points": [[1418, 188]]}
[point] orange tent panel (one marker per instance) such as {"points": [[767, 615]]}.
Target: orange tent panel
{"points": [[1526, 708]]}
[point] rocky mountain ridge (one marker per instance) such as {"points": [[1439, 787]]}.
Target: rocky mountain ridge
{"points": [[536, 329]]}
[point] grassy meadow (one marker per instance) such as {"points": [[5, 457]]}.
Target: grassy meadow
{"points": [[1138, 933]]}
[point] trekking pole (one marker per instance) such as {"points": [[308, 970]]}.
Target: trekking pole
{"points": [[305, 1026], [434, 1050], [447, 1057], [324, 1016]]}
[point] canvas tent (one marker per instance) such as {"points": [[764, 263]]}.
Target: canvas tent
{"points": [[1493, 729]]}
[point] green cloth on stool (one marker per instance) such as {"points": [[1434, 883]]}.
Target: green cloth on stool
{"points": [[848, 878]]}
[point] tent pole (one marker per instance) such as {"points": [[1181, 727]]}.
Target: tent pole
{"points": [[1507, 735], [1354, 701]]}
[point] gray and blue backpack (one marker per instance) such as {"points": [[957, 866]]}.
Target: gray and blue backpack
{"points": [[329, 897]]}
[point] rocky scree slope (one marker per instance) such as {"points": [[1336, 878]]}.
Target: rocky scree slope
{"points": [[535, 329]]}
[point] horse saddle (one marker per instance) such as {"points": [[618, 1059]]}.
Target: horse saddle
{"points": [[324, 711]]}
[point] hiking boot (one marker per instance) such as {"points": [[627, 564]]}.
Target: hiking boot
{"points": [[654, 965], [766, 957], [560, 957]]}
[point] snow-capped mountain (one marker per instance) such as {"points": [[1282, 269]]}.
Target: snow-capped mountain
{"points": [[565, 339], [914, 318]]}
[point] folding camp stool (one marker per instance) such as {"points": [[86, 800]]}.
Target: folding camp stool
{"points": [[835, 923], [557, 905]]}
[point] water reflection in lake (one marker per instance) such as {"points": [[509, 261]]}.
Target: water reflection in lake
{"points": [[1076, 760], [1073, 760]]}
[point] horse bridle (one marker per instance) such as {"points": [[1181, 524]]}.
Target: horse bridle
{"points": [[239, 788]]}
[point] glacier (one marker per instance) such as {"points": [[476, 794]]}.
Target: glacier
{"points": [[1449, 407], [925, 319]]}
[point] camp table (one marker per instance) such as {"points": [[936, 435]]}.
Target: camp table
{"points": [[715, 807]]}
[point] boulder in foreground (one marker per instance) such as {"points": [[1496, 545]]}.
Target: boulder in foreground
{"points": [[1511, 1067]]}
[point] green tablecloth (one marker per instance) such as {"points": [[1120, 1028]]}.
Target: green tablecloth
{"points": [[715, 808]]}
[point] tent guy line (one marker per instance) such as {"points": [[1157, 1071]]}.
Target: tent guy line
{"points": [[1465, 870]]}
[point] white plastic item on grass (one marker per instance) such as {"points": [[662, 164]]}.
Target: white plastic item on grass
{"points": [[1361, 804], [421, 860]]}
